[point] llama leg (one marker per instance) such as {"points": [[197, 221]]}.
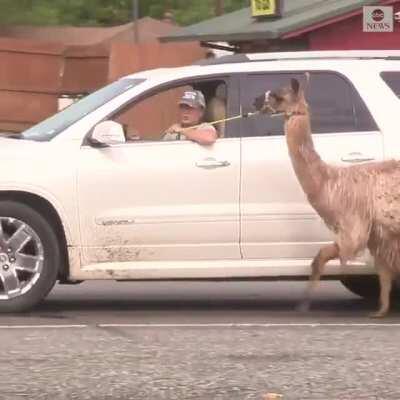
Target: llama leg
{"points": [[385, 281], [327, 253]]}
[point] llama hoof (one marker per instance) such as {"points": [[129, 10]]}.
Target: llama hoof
{"points": [[378, 314]]}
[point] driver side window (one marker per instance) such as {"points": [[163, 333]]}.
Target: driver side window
{"points": [[150, 117]]}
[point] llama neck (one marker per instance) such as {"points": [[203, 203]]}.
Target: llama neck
{"points": [[307, 164]]}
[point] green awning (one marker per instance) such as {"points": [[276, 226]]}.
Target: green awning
{"points": [[240, 25]]}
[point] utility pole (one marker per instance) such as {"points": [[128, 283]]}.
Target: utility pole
{"points": [[135, 6], [219, 7]]}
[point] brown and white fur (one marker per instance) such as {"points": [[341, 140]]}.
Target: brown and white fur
{"points": [[359, 203]]}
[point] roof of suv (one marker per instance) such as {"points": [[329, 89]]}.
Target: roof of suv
{"points": [[271, 57], [303, 55]]}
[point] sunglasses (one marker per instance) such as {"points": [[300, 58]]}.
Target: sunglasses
{"points": [[187, 107]]}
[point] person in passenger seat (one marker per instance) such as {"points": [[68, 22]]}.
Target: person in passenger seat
{"points": [[216, 109], [191, 113]]}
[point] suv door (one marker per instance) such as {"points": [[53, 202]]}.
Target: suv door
{"points": [[160, 200], [277, 220]]}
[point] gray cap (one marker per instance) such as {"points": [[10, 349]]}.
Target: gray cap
{"points": [[193, 98]]}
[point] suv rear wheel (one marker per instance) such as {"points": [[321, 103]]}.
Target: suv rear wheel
{"points": [[368, 287], [29, 257]]}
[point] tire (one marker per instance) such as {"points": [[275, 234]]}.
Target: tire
{"points": [[368, 287], [29, 257]]}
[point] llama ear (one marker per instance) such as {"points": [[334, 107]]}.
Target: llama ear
{"points": [[295, 85]]}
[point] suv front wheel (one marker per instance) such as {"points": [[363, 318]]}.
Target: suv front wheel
{"points": [[29, 257]]}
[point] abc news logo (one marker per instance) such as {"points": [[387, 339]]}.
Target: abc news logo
{"points": [[378, 19]]}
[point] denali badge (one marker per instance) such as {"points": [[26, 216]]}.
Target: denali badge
{"points": [[113, 222]]}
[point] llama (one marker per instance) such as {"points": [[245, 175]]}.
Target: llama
{"points": [[359, 203]]}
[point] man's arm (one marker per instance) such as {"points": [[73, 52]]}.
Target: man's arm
{"points": [[205, 134]]}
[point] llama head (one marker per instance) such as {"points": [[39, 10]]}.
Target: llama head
{"points": [[283, 100]]}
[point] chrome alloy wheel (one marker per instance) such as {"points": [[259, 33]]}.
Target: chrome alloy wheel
{"points": [[21, 258]]}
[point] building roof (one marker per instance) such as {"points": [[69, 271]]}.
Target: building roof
{"points": [[149, 29], [240, 25]]}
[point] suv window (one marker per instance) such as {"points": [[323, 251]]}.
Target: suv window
{"points": [[148, 118], [392, 79], [334, 103], [52, 126]]}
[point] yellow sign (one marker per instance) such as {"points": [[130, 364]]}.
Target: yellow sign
{"points": [[261, 8]]}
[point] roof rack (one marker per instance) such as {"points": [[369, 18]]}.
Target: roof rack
{"points": [[303, 55], [230, 59]]}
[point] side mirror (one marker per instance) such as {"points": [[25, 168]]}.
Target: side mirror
{"points": [[107, 133]]}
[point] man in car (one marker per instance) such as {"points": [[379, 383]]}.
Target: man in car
{"points": [[191, 112]]}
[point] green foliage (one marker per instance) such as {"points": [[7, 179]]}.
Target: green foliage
{"points": [[106, 12]]}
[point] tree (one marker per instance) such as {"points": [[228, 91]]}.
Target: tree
{"points": [[107, 12]]}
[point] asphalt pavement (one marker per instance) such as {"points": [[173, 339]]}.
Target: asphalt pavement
{"points": [[199, 340]]}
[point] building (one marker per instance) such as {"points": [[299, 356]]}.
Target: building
{"points": [[301, 25], [44, 69]]}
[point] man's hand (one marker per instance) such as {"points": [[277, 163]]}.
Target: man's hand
{"points": [[204, 134], [175, 128]]}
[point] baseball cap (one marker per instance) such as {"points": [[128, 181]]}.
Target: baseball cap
{"points": [[193, 98]]}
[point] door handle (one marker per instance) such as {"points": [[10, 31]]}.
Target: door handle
{"points": [[211, 163], [356, 157]]}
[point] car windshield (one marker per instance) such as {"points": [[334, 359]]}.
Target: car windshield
{"points": [[51, 127]]}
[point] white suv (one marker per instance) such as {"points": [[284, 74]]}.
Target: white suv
{"points": [[94, 193]]}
